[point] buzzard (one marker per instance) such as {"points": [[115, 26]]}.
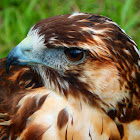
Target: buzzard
{"points": [[74, 77]]}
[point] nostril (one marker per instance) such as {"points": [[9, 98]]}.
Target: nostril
{"points": [[27, 52]]}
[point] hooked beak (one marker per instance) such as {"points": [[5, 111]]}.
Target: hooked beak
{"points": [[15, 57]]}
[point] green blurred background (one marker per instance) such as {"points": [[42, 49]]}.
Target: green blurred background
{"points": [[17, 16]]}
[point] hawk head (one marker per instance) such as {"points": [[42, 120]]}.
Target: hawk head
{"points": [[86, 56]]}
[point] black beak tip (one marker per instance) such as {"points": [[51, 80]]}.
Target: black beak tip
{"points": [[7, 68], [7, 65], [10, 60]]}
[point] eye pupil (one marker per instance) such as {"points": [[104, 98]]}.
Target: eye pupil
{"points": [[74, 54]]}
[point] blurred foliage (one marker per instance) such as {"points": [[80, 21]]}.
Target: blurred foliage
{"points": [[17, 16]]}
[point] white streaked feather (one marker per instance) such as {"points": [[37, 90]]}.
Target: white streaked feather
{"points": [[136, 49], [76, 14], [37, 40], [5, 123]]}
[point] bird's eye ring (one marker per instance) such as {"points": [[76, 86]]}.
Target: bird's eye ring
{"points": [[74, 54]]}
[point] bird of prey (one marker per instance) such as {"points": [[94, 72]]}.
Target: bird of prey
{"points": [[74, 77]]}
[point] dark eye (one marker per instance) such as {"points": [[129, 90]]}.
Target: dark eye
{"points": [[74, 54]]}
